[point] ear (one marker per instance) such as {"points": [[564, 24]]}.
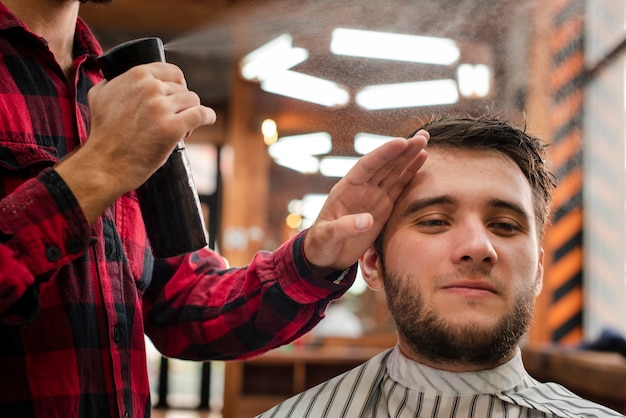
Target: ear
{"points": [[539, 275], [370, 268]]}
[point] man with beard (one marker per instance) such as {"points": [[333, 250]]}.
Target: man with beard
{"points": [[78, 283], [461, 263]]}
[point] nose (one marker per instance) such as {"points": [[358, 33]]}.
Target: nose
{"points": [[474, 244]]}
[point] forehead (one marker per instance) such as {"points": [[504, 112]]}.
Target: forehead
{"points": [[469, 175]]}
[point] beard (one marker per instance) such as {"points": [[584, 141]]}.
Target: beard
{"points": [[435, 339]]}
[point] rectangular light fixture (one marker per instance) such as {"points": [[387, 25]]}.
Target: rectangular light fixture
{"points": [[474, 80], [394, 46], [274, 57], [365, 142], [315, 143], [305, 164], [307, 88], [336, 166], [418, 93]]}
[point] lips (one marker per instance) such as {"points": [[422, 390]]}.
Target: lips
{"points": [[471, 285]]}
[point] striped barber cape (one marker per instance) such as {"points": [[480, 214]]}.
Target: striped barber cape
{"points": [[391, 385]]}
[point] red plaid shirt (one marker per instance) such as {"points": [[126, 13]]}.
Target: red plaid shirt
{"points": [[76, 299]]}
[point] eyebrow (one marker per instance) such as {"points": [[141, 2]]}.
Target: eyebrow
{"points": [[420, 204], [513, 207], [447, 200]]}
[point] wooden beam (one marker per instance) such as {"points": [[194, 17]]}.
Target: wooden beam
{"points": [[151, 15]]}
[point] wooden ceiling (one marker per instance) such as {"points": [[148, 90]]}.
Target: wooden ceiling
{"points": [[215, 34]]}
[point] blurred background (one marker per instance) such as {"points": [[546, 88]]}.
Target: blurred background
{"points": [[302, 88]]}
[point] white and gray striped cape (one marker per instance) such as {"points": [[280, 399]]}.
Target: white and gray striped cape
{"points": [[391, 385]]}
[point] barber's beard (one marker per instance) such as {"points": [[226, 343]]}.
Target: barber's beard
{"points": [[433, 338]]}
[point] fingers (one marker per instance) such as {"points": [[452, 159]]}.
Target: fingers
{"points": [[187, 107], [166, 72], [166, 82], [386, 164], [404, 168], [331, 244]]}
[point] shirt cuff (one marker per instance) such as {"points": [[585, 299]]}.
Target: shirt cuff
{"points": [[300, 281], [44, 223]]}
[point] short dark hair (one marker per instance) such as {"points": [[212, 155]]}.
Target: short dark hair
{"points": [[493, 134]]}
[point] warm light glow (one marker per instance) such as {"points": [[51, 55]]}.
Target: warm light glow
{"points": [[336, 166], [307, 88], [474, 80], [394, 46], [293, 220], [274, 57], [270, 131], [307, 208], [365, 142], [419, 93], [316, 143]]}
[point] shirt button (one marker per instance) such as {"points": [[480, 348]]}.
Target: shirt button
{"points": [[126, 414], [53, 253], [117, 334], [73, 245]]}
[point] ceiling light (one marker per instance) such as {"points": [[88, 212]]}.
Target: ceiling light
{"points": [[307, 88], [305, 164], [316, 143], [274, 57], [270, 131], [312, 204], [365, 142], [337, 166], [474, 80], [394, 46], [419, 93]]}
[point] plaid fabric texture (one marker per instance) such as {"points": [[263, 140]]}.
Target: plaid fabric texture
{"points": [[76, 299]]}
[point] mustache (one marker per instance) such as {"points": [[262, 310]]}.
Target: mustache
{"points": [[471, 275]]}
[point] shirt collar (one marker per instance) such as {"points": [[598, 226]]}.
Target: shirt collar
{"points": [[419, 377]]}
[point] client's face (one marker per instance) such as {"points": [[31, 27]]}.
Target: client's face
{"points": [[461, 262]]}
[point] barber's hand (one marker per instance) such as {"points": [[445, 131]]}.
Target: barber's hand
{"points": [[359, 205], [137, 118]]}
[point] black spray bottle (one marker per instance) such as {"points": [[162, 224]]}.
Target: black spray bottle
{"points": [[168, 199]]}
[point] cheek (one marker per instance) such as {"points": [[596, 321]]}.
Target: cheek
{"points": [[526, 274], [416, 249], [412, 259]]}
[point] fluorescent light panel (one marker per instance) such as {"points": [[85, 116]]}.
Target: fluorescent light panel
{"points": [[307, 88], [474, 80], [394, 46], [419, 93], [316, 143], [312, 204], [305, 164], [274, 57], [336, 166], [365, 142]]}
